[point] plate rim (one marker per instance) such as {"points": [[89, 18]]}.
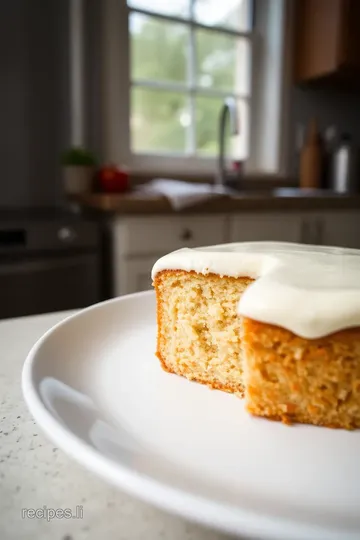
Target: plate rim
{"points": [[224, 518]]}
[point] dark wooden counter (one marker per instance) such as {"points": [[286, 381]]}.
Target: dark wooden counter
{"points": [[247, 201]]}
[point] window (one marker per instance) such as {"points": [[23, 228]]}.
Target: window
{"points": [[186, 57], [165, 67]]}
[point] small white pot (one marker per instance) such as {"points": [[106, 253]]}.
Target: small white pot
{"points": [[77, 179]]}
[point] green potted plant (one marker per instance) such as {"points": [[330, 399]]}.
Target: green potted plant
{"points": [[78, 170]]}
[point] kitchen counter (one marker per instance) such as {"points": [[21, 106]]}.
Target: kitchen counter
{"points": [[34, 473], [246, 201]]}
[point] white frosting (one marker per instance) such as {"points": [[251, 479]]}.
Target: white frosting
{"points": [[312, 291]]}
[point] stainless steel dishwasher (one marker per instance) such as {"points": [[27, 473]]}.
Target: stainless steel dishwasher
{"points": [[48, 264]]}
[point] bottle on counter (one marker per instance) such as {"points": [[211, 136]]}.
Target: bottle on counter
{"points": [[345, 171], [311, 159]]}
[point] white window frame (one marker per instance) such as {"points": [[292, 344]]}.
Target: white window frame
{"points": [[269, 99]]}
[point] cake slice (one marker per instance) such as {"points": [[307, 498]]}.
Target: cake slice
{"points": [[277, 323], [199, 328], [293, 379]]}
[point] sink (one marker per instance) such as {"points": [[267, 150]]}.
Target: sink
{"points": [[241, 193], [300, 192], [248, 193], [277, 192], [253, 193]]}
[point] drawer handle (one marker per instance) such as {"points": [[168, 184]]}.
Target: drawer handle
{"points": [[66, 234], [186, 234], [319, 232]]}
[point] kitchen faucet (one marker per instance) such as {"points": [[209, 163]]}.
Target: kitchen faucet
{"points": [[228, 109]]}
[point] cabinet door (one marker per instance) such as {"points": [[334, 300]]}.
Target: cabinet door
{"points": [[272, 227], [134, 275], [144, 236], [350, 42], [341, 229], [318, 33], [327, 38]]}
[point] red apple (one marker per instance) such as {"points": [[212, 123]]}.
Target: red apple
{"points": [[112, 179]]}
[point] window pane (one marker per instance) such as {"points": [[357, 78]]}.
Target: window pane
{"points": [[222, 62], [158, 49], [207, 128], [165, 7], [158, 120], [234, 14]]}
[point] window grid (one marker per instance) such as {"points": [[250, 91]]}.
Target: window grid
{"points": [[191, 130], [190, 88]]}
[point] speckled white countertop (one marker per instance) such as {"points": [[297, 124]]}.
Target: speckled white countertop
{"points": [[33, 473]]}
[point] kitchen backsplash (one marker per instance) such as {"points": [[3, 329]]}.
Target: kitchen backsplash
{"points": [[329, 107]]}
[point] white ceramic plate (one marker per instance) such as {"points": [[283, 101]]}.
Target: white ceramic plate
{"points": [[94, 385]]}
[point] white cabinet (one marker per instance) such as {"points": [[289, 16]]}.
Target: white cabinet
{"points": [[135, 274], [162, 234], [337, 228], [139, 241], [340, 228], [277, 226], [311, 229]]}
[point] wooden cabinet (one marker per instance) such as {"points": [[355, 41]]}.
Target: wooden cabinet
{"points": [[327, 39], [277, 227]]}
